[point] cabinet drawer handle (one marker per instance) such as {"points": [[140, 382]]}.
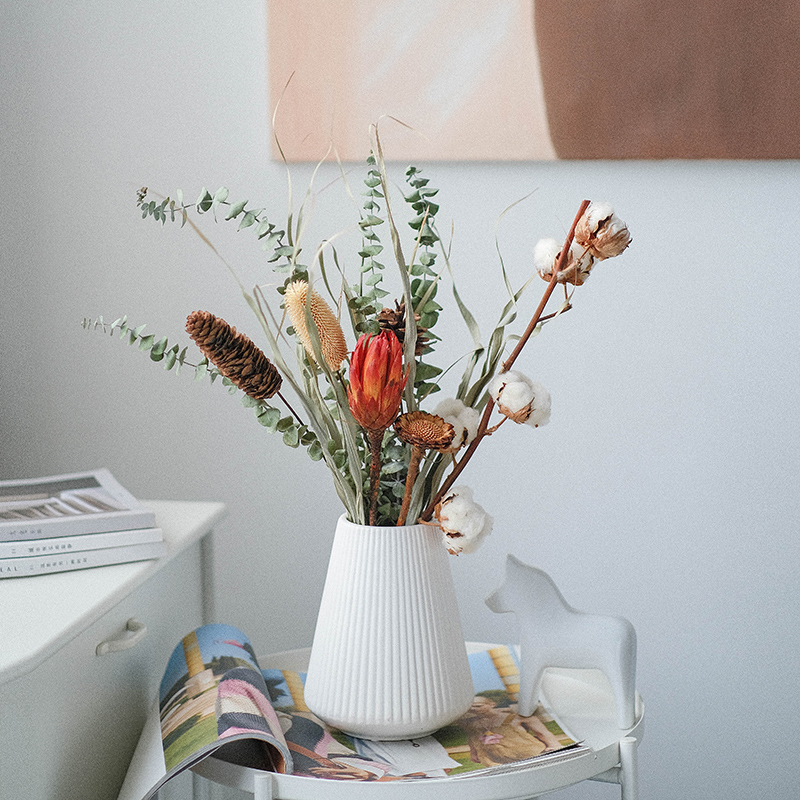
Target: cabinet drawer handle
{"points": [[138, 629]]}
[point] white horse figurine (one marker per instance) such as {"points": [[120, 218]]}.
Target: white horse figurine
{"points": [[553, 634]]}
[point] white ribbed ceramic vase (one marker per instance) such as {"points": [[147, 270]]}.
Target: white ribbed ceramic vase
{"points": [[388, 659]]}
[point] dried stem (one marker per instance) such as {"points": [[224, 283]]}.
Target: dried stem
{"points": [[483, 427], [490, 431], [291, 410], [375, 442], [547, 292], [411, 477]]}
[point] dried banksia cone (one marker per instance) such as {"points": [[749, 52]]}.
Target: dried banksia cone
{"points": [[234, 355], [423, 432], [394, 319], [331, 336]]}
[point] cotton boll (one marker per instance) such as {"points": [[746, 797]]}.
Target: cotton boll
{"points": [[511, 389], [540, 407], [545, 254], [464, 523], [520, 399], [516, 396], [596, 213], [581, 262], [602, 232], [463, 418]]}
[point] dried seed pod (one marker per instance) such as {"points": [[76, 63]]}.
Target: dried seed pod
{"points": [[464, 419], [424, 430], [464, 523], [520, 399], [575, 270], [394, 319]]}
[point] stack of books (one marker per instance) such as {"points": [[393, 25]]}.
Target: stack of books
{"points": [[75, 521]]}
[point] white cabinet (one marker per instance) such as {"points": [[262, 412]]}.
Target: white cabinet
{"points": [[70, 719]]}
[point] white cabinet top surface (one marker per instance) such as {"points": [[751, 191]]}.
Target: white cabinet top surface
{"points": [[39, 614]]}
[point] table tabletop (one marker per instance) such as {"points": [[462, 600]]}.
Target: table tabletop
{"points": [[582, 700]]}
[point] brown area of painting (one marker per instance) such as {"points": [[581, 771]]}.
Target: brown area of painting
{"points": [[632, 79]]}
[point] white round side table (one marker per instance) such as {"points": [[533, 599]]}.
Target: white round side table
{"points": [[581, 699]]}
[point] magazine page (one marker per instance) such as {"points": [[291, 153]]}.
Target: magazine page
{"points": [[490, 737], [65, 505], [212, 699]]}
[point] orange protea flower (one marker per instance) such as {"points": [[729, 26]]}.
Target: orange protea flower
{"points": [[376, 380]]}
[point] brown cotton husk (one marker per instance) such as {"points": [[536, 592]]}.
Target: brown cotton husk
{"points": [[521, 416], [602, 233]]}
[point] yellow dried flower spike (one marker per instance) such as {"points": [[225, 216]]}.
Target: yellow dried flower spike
{"points": [[331, 336]]}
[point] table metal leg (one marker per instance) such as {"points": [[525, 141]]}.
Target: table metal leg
{"points": [[207, 576], [627, 773], [201, 788], [263, 786], [629, 768]]}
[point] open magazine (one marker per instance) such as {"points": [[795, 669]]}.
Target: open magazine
{"points": [[68, 505], [214, 700]]}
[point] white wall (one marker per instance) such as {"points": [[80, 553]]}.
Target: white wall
{"points": [[665, 487]]}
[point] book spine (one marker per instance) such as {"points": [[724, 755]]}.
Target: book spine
{"points": [[22, 567], [61, 545], [20, 531]]}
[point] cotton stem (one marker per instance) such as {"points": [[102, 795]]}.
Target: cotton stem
{"points": [[483, 428]]}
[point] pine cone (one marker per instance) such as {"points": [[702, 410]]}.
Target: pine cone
{"points": [[234, 355], [395, 320]]}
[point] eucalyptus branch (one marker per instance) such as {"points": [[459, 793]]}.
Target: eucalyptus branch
{"points": [[410, 342]]}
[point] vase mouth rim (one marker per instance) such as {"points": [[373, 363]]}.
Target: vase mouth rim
{"points": [[343, 520]]}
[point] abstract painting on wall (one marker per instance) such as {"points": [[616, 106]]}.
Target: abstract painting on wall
{"points": [[536, 79]]}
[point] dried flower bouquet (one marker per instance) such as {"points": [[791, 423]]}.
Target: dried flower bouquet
{"points": [[361, 411]]}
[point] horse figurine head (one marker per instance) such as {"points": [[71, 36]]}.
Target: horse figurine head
{"points": [[524, 589]]}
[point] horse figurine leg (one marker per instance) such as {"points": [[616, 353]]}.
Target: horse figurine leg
{"points": [[620, 668], [530, 682]]}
